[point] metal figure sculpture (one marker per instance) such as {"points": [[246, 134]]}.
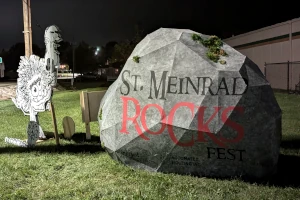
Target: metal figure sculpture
{"points": [[37, 77]]}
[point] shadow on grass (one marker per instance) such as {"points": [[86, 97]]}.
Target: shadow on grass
{"points": [[81, 85], [81, 138], [290, 144], [82, 145], [66, 148], [288, 174], [77, 137]]}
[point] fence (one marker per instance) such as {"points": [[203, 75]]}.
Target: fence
{"points": [[284, 75]]}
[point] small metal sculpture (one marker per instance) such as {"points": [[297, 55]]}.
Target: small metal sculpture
{"points": [[52, 39], [37, 77]]}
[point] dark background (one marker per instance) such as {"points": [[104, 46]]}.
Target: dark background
{"points": [[116, 26], [99, 21]]}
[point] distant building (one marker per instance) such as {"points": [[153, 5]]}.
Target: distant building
{"points": [[63, 67], [279, 43], [64, 72], [110, 71], [2, 68]]}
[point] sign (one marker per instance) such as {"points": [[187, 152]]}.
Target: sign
{"points": [[176, 111]]}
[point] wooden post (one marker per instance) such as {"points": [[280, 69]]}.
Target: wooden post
{"points": [[87, 115], [54, 123], [26, 28], [84, 102], [29, 27], [88, 131]]}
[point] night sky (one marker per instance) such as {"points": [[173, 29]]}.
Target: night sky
{"points": [[100, 21]]}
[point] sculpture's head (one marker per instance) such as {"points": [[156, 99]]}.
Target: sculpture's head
{"points": [[39, 91], [52, 34], [34, 89]]}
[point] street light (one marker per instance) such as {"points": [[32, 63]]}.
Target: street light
{"points": [[97, 51]]}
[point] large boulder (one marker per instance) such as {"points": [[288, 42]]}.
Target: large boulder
{"points": [[174, 110]]}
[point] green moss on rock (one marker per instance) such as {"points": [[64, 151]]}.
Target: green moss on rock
{"points": [[214, 44], [136, 59], [100, 114], [223, 62], [197, 38], [212, 56]]}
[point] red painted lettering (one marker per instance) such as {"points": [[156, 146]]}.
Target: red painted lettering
{"points": [[163, 119], [239, 129], [133, 119], [204, 129], [170, 123]]}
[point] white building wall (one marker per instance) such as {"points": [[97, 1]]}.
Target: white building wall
{"points": [[264, 33], [273, 44], [296, 49]]}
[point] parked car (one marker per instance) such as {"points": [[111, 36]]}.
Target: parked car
{"points": [[66, 75], [89, 76]]}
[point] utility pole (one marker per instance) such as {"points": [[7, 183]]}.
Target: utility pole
{"points": [[27, 27], [73, 52]]}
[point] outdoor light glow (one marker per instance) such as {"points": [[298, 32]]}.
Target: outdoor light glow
{"points": [[97, 51]]}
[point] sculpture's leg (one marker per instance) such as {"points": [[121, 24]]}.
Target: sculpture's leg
{"points": [[33, 131], [41, 132], [41, 135], [15, 141]]}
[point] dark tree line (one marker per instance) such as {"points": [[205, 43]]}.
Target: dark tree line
{"points": [[11, 57], [85, 58], [123, 49]]}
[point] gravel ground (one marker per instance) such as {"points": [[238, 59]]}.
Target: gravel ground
{"points": [[7, 92]]}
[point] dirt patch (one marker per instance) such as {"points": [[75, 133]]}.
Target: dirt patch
{"points": [[7, 92]]}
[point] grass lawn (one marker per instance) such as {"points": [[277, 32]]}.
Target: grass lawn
{"points": [[82, 170]]}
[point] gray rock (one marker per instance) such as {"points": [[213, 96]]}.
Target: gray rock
{"points": [[176, 111]]}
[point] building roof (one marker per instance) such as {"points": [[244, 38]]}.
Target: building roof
{"points": [[262, 29]]}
